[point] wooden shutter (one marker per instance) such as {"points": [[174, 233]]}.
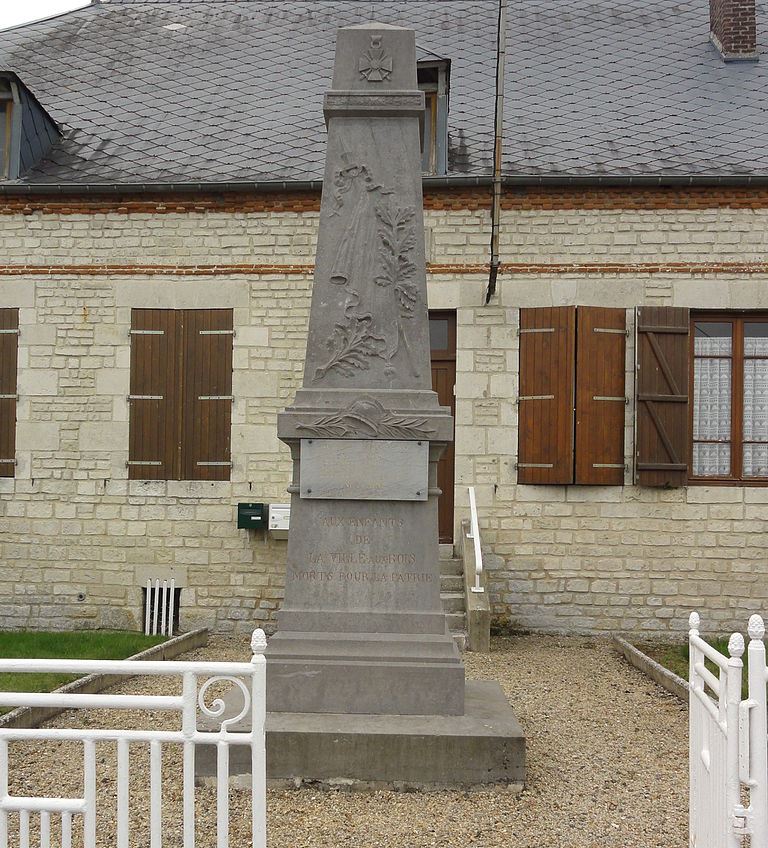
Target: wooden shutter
{"points": [[207, 407], [154, 400], [662, 396], [545, 403], [600, 395], [9, 346]]}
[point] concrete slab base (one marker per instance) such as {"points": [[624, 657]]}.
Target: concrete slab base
{"points": [[484, 746]]}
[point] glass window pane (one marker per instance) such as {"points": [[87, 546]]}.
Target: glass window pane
{"points": [[755, 400], [712, 338], [756, 338], [756, 460], [712, 399], [438, 333], [711, 460]]}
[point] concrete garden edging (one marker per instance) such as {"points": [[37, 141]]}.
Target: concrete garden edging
{"points": [[27, 717], [663, 676]]}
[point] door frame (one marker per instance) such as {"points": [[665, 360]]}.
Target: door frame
{"points": [[445, 356]]}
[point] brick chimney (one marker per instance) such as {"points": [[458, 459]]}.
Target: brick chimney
{"points": [[733, 30]]}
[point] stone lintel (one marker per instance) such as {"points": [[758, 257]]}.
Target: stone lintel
{"points": [[352, 621], [382, 104]]}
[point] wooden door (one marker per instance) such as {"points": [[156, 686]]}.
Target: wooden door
{"points": [[442, 336]]}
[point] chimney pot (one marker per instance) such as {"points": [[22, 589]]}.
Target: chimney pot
{"points": [[733, 29]]}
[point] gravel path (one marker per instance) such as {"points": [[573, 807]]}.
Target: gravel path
{"points": [[607, 766]]}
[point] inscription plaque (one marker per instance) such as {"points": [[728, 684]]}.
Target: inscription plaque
{"points": [[364, 469]]}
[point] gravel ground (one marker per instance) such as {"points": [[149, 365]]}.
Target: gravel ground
{"points": [[607, 766]]}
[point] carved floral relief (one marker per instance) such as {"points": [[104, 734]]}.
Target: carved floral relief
{"points": [[366, 417], [358, 336]]}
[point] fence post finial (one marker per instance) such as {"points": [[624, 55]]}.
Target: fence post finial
{"points": [[756, 627], [736, 645], [258, 641], [694, 622]]}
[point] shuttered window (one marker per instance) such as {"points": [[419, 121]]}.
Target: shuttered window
{"points": [[545, 402], [662, 426], [600, 395], [572, 400], [9, 345], [181, 394]]}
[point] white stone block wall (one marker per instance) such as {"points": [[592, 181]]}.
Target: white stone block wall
{"points": [[78, 539]]}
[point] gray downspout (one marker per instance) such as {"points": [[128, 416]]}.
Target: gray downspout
{"points": [[498, 133]]}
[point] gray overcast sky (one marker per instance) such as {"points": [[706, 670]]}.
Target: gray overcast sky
{"points": [[14, 12]]}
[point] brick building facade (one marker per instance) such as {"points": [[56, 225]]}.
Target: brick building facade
{"points": [[79, 539]]}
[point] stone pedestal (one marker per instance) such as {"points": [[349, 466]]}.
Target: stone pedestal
{"points": [[484, 746]]}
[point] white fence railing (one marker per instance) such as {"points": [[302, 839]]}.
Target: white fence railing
{"points": [[247, 679], [474, 534], [728, 742]]}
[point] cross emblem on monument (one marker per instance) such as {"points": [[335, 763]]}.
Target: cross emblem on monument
{"points": [[375, 64]]}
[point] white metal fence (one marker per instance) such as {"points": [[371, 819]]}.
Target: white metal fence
{"points": [[248, 681], [728, 742]]}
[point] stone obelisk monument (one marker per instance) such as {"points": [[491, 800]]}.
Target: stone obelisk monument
{"points": [[364, 682], [362, 629]]}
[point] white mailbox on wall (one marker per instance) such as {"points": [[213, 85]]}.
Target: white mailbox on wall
{"points": [[279, 519]]}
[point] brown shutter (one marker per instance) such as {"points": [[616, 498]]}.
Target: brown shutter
{"points": [[154, 434], [600, 395], [662, 396], [545, 403], [207, 408], [9, 345]]}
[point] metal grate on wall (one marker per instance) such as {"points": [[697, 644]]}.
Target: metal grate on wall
{"points": [[161, 607]]}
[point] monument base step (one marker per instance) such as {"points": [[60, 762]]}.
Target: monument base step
{"points": [[484, 746]]}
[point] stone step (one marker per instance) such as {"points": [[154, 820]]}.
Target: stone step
{"points": [[460, 638], [451, 567], [457, 622], [451, 583], [453, 602], [446, 551]]}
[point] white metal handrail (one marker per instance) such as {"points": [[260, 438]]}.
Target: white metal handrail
{"points": [[247, 678], [474, 534]]}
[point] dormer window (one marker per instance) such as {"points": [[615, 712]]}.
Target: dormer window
{"points": [[433, 81], [6, 118], [26, 130]]}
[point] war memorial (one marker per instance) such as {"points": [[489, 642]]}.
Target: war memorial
{"points": [[364, 681]]}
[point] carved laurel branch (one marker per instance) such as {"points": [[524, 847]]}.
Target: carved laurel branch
{"points": [[367, 417], [350, 345], [397, 237]]}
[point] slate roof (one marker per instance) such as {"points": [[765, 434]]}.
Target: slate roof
{"points": [[230, 91]]}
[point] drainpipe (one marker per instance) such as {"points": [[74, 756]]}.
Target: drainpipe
{"points": [[498, 131]]}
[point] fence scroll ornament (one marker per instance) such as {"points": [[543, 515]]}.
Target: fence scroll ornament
{"points": [[358, 338], [50, 816], [367, 418]]}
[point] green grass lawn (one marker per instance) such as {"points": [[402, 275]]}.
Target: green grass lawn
{"points": [[675, 658], [82, 645]]}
